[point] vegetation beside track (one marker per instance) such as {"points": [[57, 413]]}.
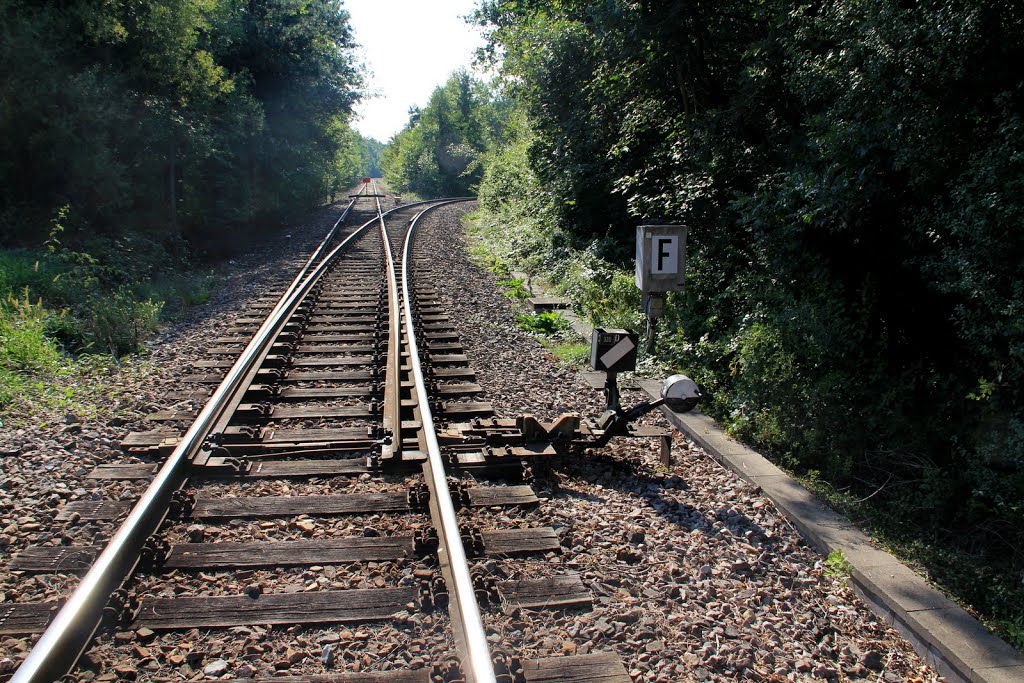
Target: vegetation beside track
{"points": [[850, 173], [139, 140]]}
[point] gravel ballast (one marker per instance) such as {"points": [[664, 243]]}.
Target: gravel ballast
{"points": [[694, 575]]}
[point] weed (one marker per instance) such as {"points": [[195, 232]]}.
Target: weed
{"points": [[571, 353], [120, 322], [515, 288], [24, 347], [542, 323], [837, 566]]}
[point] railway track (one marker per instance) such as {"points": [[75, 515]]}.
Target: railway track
{"points": [[340, 473]]}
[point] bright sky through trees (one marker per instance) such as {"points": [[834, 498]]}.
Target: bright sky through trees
{"points": [[411, 47]]}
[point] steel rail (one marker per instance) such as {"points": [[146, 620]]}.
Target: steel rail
{"points": [[478, 666], [392, 413], [67, 636]]}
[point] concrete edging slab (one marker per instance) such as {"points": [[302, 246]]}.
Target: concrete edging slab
{"points": [[956, 644]]}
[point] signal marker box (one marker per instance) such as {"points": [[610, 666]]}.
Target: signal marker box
{"points": [[613, 350], [660, 257]]}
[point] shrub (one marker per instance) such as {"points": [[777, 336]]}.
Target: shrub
{"points": [[120, 322], [546, 323]]}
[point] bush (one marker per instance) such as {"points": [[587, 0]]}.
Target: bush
{"points": [[547, 323], [25, 350], [120, 322]]}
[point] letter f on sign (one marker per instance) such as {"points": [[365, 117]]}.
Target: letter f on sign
{"points": [[665, 257]]}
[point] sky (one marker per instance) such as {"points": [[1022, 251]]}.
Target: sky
{"points": [[410, 47]]}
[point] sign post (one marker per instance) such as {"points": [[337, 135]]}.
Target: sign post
{"points": [[613, 351], [660, 268]]}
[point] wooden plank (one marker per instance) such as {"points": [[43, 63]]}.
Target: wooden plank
{"points": [[203, 378], [295, 393], [448, 358], [123, 470], [521, 541], [260, 469], [289, 553], [599, 667], [329, 376], [144, 439], [23, 618], [484, 496], [415, 676], [222, 363], [286, 412], [314, 607], [194, 556], [554, 592], [454, 373], [463, 389], [338, 435], [336, 348], [307, 468], [62, 559], [468, 409], [349, 328], [336, 338], [337, 309], [186, 395], [332, 360], [91, 510], [334, 318], [436, 347], [288, 506]]}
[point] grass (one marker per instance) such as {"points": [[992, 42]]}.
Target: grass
{"points": [[514, 288], [989, 585], [570, 353], [67, 319], [546, 324]]}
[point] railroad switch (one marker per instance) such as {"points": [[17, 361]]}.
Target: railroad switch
{"points": [[489, 441]]}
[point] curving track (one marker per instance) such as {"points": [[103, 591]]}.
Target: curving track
{"points": [[347, 398]]}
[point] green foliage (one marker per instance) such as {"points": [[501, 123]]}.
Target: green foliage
{"points": [[837, 566], [515, 288], [574, 353], [172, 119], [25, 350], [851, 174], [120, 321], [546, 323], [438, 152]]}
